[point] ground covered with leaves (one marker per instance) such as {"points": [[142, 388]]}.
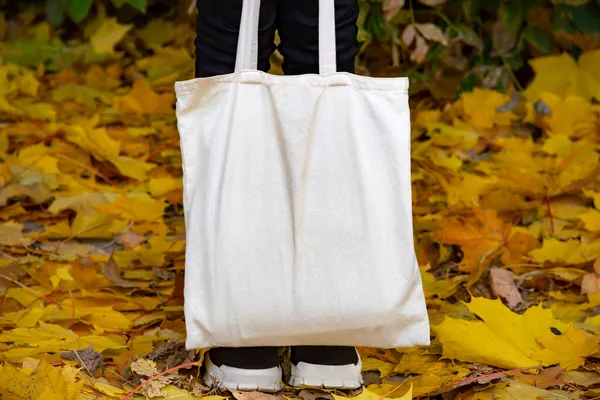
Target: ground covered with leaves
{"points": [[506, 195]]}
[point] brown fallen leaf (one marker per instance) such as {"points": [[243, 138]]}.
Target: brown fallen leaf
{"points": [[144, 367], [254, 396], [591, 282], [580, 378], [38, 193], [391, 7], [545, 379], [172, 353], [113, 272], [130, 240], [311, 394], [90, 359], [161, 273], [503, 285]]}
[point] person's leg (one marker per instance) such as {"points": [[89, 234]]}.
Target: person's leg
{"points": [[249, 368], [217, 30], [298, 26]]}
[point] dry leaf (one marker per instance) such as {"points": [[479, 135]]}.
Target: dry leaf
{"points": [[591, 282], [418, 55], [88, 357], [113, 272], [391, 7], [432, 32], [503, 285], [254, 395], [144, 367], [408, 34], [130, 240], [307, 394]]}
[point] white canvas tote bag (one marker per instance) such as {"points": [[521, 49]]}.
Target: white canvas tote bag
{"points": [[297, 197]]}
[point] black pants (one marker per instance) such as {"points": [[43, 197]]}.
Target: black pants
{"points": [[297, 24]]}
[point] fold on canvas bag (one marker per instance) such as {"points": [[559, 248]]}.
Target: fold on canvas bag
{"points": [[297, 198]]}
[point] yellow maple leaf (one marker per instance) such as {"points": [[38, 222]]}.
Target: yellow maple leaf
{"points": [[17, 79], [166, 61], [27, 318], [459, 135], [466, 189], [81, 204], [374, 364], [42, 383], [568, 348], [24, 297], [131, 167], [569, 312], [371, 393], [441, 288], [561, 75], [568, 113], [570, 251], [480, 107], [425, 118], [511, 391], [108, 35], [161, 186], [142, 99], [559, 145], [509, 340], [415, 361], [95, 140], [461, 341], [517, 169], [591, 220], [134, 207], [96, 226], [173, 392]]}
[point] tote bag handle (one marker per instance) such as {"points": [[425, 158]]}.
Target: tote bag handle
{"points": [[247, 49]]}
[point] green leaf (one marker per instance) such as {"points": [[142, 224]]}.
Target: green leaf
{"points": [[55, 12], [376, 25], [54, 55], [139, 5], [537, 39], [468, 36], [78, 9], [562, 20], [470, 8], [512, 16], [587, 18], [515, 62]]}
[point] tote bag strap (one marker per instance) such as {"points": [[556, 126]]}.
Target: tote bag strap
{"points": [[247, 50]]}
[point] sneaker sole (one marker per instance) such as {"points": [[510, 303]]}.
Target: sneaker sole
{"points": [[327, 376], [264, 380]]}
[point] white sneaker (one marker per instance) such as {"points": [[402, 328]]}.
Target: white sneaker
{"points": [[326, 367], [247, 369]]}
